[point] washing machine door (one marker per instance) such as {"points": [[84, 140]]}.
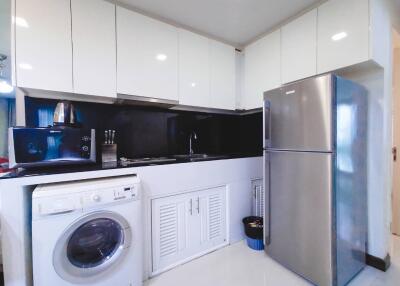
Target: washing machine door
{"points": [[91, 245]]}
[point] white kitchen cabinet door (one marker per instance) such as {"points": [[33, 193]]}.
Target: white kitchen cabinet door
{"points": [[43, 44], [299, 48], [194, 69], [171, 220], [147, 56], [262, 69], [222, 76], [343, 34], [213, 217], [94, 46], [187, 226]]}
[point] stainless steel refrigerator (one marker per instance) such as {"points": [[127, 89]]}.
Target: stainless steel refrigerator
{"points": [[315, 178]]}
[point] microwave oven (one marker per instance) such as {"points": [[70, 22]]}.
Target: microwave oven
{"points": [[36, 147]]}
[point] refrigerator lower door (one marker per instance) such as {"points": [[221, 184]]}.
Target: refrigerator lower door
{"points": [[298, 213]]}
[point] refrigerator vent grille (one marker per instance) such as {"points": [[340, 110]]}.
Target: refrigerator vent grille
{"points": [[258, 198]]}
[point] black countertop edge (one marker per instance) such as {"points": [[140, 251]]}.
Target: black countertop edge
{"points": [[21, 173]]}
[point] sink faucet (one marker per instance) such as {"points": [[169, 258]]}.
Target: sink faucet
{"points": [[192, 136]]}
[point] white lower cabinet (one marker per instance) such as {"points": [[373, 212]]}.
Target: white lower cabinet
{"points": [[188, 225]]}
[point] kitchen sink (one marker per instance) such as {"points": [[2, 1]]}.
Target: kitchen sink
{"points": [[198, 157]]}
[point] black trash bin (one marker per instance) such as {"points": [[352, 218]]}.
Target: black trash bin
{"points": [[254, 230]]}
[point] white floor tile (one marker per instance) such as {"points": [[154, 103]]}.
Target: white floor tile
{"points": [[237, 265], [365, 277]]}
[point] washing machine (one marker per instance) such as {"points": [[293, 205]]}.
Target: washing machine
{"points": [[87, 233]]}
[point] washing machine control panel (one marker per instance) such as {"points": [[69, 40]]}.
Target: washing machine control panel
{"points": [[110, 195], [127, 192], [76, 197]]}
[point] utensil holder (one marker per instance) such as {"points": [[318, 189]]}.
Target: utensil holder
{"points": [[108, 153]]}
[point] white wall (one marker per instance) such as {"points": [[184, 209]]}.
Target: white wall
{"points": [[239, 60]]}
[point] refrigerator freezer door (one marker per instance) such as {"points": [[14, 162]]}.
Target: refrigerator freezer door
{"points": [[300, 115], [298, 213]]}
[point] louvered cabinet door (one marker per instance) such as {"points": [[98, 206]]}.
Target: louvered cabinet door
{"points": [[170, 219], [213, 217], [187, 226]]}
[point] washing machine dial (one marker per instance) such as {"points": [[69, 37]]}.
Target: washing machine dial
{"points": [[96, 198]]}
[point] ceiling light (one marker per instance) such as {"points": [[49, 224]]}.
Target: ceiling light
{"points": [[193, 84], [5, 87], [161, 57], [21, 22], [339, 36], [25, 66]]}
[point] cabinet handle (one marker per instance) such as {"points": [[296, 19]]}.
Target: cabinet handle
{"points": [[198, 205], [191, 207]]}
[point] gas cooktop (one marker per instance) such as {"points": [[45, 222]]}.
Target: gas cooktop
{"points": [[127, 161]]}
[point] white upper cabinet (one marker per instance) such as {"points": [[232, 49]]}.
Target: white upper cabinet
{"points": [[222, 75], [94, 47], [43, 44], [299, 48], [262, 69], [343, 34], [147, 56], [194, 69]]}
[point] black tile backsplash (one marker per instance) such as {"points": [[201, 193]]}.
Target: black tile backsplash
{"points": [[149, 131]]}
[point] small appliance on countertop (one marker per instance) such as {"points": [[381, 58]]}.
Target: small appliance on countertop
{"points": [[64, 114], [37, 147], [109, 148]]}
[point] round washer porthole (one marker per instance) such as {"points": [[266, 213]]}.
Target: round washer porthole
{"points": [[91, 245]]}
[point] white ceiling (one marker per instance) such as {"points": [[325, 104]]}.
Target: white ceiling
{"points": [[237, 22]]}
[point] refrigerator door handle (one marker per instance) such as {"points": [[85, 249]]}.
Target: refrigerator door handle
{"points": [[267, 199], [267, 124]]}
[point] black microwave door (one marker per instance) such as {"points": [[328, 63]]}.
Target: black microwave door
{"points": [[71, 147], [30, 145]]}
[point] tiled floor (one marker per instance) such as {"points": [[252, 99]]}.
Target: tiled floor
{"points": [[238, 265]]}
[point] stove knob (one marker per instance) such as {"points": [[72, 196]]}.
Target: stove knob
{"points": [[96, 198]]}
